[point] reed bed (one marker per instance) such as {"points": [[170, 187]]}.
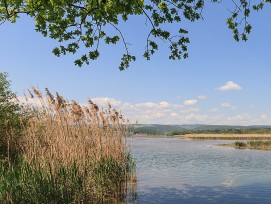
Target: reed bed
{"points": [[70, 153], [259, 145], [227, 136]]}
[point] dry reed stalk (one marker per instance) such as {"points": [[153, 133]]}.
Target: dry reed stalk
{"points": [[62, 132]]}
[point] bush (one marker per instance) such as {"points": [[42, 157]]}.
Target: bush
{"points": [[10, 123], [240, 144]]}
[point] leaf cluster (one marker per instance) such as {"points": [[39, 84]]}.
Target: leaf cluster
{"points": [[238, 21], [83, 23]]}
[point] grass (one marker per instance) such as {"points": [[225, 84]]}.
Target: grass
{"points": [[228, 136], [70, 153], [259, 145], [28, 183]]}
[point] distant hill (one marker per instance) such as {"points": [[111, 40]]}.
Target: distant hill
{"points": [[156, 129]]}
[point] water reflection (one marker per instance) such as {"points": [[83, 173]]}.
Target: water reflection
{"points": [[185, 171], [203, 194]]}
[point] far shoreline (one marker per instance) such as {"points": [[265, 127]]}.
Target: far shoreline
{"points": [[210, 136]]}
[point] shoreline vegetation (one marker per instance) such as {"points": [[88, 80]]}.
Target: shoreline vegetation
{"points": [[257, 145], [59, 151], [171, 130], [203, 132], [226, 136], [212, 136]]}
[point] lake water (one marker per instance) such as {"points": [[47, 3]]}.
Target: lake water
{"points": [[172, 170]]}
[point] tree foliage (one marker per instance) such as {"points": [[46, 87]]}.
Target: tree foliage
{"points": [[11, 124], [82, 23]]}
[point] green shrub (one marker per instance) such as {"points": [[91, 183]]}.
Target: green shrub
{"points": [[10, 122], [240, 144]]}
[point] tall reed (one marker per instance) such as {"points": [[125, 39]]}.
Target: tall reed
{"points": [[73, 153]]}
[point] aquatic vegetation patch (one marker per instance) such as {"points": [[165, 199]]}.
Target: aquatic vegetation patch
{"points": [[66, 152], [259, 145]]}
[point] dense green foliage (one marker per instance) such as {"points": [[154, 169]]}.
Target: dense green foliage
{"points": [[10, 121], [85, 23]]}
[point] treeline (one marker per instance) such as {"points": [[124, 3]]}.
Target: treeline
{"points": [[148, 131], [156, 131], [223, 131]]}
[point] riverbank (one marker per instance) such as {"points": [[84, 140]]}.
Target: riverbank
{"points": [[211, 136], [226, 136], [258, 145]]}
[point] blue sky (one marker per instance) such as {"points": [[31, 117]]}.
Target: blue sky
{"points": [[222, 81]]}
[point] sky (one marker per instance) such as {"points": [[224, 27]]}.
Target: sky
{"points": [[222, 81]]}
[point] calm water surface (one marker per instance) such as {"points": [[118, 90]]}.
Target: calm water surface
{"points": [[172, 170]]}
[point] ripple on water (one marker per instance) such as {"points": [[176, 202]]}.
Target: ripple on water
{"points": [[172, 170]]}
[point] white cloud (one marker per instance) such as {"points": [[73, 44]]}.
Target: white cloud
{"points": [[174, 113], [264, 116], [245, 119], [145, 105], [226, 105], [189, 110], [164, 104], [32, 101], [214, 110], [190, 102], [104, 101], [230, 85], [195, 117], [202, 97]]}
